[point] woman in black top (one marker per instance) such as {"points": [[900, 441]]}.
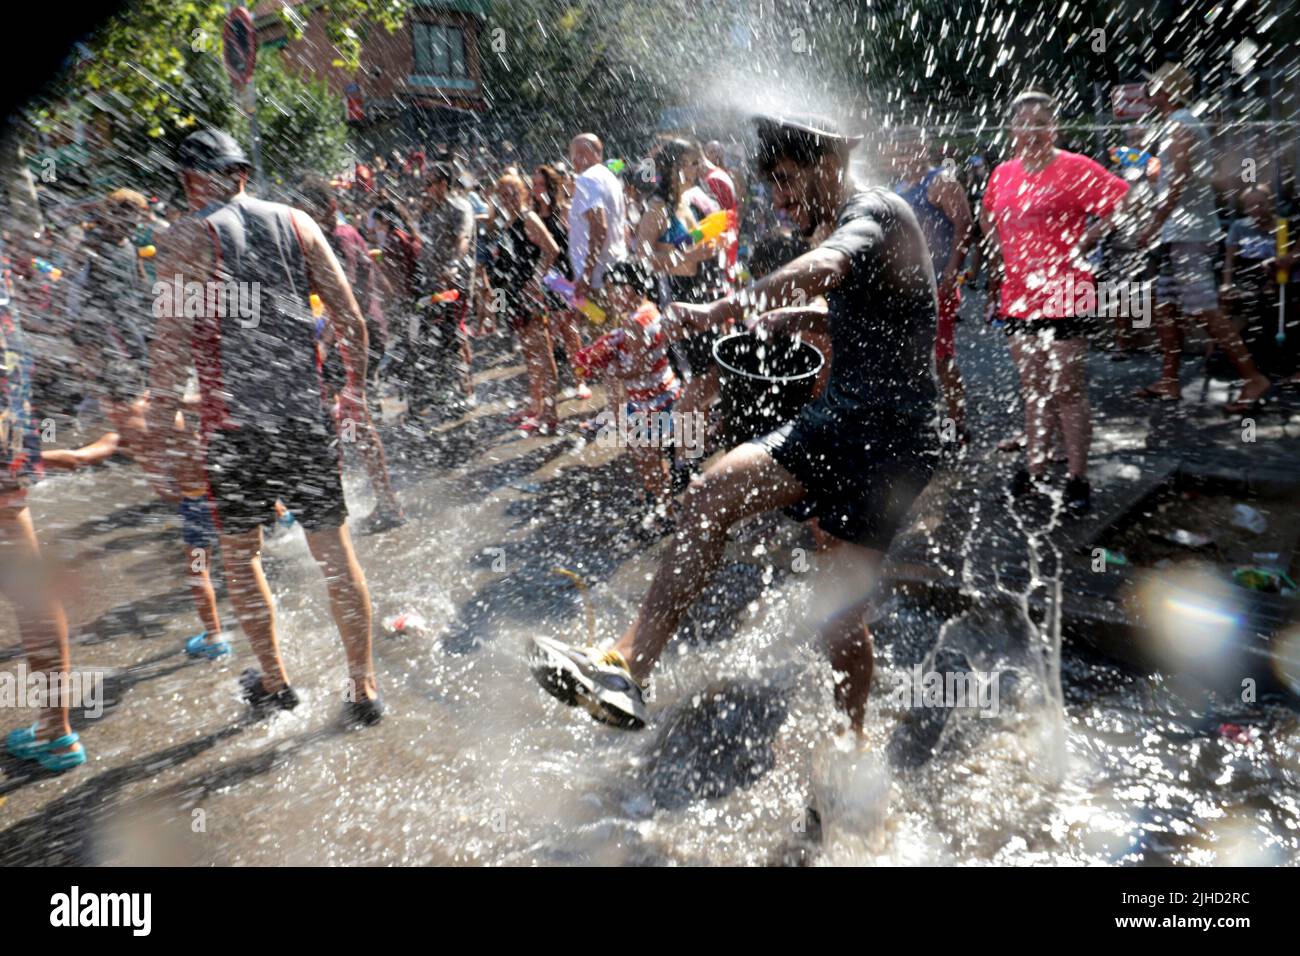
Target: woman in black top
{"points": [[551, 195], [525, 250]]}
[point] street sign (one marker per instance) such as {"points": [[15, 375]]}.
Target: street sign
{"points": [[356, 106], [1129, 101], [239, 46]]}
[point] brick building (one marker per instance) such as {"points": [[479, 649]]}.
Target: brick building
{"points": [[419, 84]]}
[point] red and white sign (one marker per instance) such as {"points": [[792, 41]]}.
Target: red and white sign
{"points": [[1129, 101], [239, 46], [356, 105]]}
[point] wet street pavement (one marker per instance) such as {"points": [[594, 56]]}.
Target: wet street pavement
{"points": [[474, 764]]}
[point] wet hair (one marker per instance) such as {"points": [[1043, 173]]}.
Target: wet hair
{"points": [[629, 272], [316, 192], [396, 217], [126, 197], [440, 172], [778, 143], [1255, 189], [388, 213], [1033, 97], [554, 183], [524, 194], [668, 160]]}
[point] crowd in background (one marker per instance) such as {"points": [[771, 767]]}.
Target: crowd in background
{"points": [[580, 256]]}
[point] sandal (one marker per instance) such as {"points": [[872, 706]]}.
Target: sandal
{"points": [[198, 646], [1151, 393], [58, 763], [530, 425], [1243, 407], [22, 743]]}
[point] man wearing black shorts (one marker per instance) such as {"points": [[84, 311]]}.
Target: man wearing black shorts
{"points": [[235, 281], [855, 458]]}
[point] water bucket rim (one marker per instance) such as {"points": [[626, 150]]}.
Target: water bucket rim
{"points": [[803, 343]]}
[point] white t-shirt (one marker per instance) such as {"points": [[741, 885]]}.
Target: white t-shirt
{"points": [[596, 186]]}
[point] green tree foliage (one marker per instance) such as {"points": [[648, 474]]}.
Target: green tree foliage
{"points": [[152, 73], [301, 122]]}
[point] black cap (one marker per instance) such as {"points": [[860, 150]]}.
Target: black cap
{"points": [[211, 151], [810, 124]]}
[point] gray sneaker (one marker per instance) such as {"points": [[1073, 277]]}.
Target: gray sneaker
{"points": [[590, 677]]}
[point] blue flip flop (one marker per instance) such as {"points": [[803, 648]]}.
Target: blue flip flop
{"points": [[58, 763], [198, 646], [22, 742]]}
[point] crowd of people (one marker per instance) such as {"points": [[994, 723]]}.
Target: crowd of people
{"points": [[378, 286]]}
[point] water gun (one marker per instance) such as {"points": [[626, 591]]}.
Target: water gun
{"points": [[615, 166], [147, 252], [1129, 157], [598, 354], [48, 268], [564, 289], [710, 227], [1283, 246], [317, 306], [1269, 580], [436, 298], [376, 254]]}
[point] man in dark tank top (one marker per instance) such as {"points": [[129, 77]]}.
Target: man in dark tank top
{"points": [[233, 300], [855, 457]]}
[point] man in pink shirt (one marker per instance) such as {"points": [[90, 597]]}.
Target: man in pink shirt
{"points": [[1035, 216]]}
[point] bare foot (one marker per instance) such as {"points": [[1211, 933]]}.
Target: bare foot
{"points": [[1255, 389]]}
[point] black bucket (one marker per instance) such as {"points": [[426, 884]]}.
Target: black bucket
{"points": [[764, 381]]}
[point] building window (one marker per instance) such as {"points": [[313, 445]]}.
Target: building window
{"points": [[439, 51]]}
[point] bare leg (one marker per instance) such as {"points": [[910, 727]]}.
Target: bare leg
{"points": [[848, 569], [1068, 386], [251, 596], [954, 392], [350, 604], [467, 357], [1229, 339], [1030, 357], [652, 467], [572, 340], [1170, 334], [42, 626], [197, 565], [540, 359], [747, 481], [372, 456]]}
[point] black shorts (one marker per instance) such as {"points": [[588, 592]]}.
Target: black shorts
{"points": [[250, 469], [1072, 327], [861, 479]]}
